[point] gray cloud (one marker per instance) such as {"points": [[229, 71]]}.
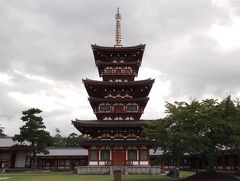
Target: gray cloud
{"points": [[51, 40]]}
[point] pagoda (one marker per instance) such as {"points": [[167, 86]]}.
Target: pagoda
{"points": [[118, 102]]}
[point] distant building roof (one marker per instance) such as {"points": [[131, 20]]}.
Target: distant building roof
{"points": [[61, 151], [6, 142], [64, 151], [155, 152]]}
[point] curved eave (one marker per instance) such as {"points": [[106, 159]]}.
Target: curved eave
{"points": [[97, 47], [92, 99], [99, 62], [108, 124], [104, 83]]}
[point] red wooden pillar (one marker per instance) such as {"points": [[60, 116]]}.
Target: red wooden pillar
{"points": [[89, 155], [55, 163], [138, 155], [223, 160], [12, 160], [98, 157]]}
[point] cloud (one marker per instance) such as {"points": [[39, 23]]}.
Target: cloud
{"points": [[192, 52], [5, 78]]}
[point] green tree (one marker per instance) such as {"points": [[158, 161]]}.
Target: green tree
{"points": [[197, 128], [73, 140], [221, 124], [33, 135], [2, 131], [58, 140]]}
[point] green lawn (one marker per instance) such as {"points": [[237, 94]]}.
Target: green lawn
{"points": [[66, 177]]}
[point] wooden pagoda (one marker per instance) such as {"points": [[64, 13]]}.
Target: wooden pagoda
{"points": [[118, 103]]}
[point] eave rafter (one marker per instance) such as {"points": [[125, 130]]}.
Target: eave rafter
{"points": [[100, 89], [128, 54], [129, 83]]}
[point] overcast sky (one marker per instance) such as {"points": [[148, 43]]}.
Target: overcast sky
{"points": [[192, 50]]}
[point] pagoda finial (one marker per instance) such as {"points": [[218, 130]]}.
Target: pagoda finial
{"points": [[118, 34]]}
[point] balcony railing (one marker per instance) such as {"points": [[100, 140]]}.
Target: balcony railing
{"points": [[118, 112], [118, 72]]}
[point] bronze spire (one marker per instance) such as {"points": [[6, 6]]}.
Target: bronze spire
{"points": [[118, 34]]}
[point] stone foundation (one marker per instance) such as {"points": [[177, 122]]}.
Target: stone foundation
{"points": [[93, 170], [108, 170]]}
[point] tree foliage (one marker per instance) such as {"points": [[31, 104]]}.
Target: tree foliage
{"points": [[72, 140], [33, 135], [197, 128], [58, 140], [2, 131]]}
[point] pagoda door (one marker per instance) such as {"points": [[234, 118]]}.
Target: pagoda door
{"points": [[118, 157], [118, 109]]}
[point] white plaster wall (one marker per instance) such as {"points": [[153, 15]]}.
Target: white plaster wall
{"points": [[143, 162], [135, 162], [93, 163], [20, 160], [101, 162]]}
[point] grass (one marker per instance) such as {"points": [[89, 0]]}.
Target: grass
{"points": [[66, 177]]}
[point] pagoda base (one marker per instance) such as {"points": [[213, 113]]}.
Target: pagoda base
{"points": [[125, 170]]}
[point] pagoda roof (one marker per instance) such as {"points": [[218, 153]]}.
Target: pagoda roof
{"points": [[125, 54], [140, 88], [98, 47], [109, 123], [144, 99], [117, 143], [104, 83], [99, 62], [92, 127]]}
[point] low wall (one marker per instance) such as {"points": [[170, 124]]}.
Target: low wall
{"points": [[143, 170], [155, 170], [139, 170], [93, 170], [108, 170]]}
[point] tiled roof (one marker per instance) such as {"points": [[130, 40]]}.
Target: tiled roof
{"points": [[104, 83], [54, 151], [80, 152], [140, 46], [99, 62], [109, 123], [65, 152], [6, 142], [118, 99], [155, 152]]}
